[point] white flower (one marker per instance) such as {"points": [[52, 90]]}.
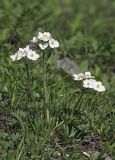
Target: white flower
{"points": [[43, 46], [88, 75], [44, 36], [89, 83], [24, 51], [35, 39], [99, 87], [16, 56], [32, 55], [78, 77], [53, 43], [13, 57]]}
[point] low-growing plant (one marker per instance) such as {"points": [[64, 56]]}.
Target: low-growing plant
{"points": [[27, 55]]}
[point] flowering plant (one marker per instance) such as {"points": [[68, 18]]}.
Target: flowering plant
{"points": [[89, 81], [47, 41], [41, 42]]}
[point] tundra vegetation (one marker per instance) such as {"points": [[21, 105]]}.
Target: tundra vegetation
{"points": [[49, 112]]}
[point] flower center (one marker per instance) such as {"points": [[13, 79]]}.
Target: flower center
{"points": [[32, 55], [52, 42], [45, 35], [88, 75], [16, 55], [80, 76], [24, 51], [98, 86]]}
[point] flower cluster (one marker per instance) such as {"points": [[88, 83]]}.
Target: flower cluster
{"points": [[25, 52], [89, 81], [46, 39]]}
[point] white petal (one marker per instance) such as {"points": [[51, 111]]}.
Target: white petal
{"points": [[27, 47], [56, 44], [99, 87], [35, 39], [32, 55], [20, 49], [88, 75], [44, 36], [18, 56], [78, 77], [53, 43], [40, 34], [89, 83], [47, 33], [37, 56], [43, 46], [75, 77], [13, 57]]}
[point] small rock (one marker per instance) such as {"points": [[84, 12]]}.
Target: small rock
{"points": [[67, 65], [108, 158]]}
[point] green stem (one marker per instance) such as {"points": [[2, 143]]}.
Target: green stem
{"points": [[45, 88], [28, 74], [28, 81]]}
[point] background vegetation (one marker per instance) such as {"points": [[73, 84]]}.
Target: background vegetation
{"points": [[78, 122]]}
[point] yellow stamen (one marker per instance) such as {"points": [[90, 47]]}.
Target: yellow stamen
{"points": [[16, 55], [52, 42], [31, 55], [45, 35], [24, 51], [98, 86]]}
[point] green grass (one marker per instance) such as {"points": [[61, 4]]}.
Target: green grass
{"points": [[86, 32]]}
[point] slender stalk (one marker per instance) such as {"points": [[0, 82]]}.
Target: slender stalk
{"points": [[45, 88], [27, 70], [28, 81]]}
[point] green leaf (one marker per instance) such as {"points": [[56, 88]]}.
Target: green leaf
{"points": [[84, 65], [4, 33]]}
